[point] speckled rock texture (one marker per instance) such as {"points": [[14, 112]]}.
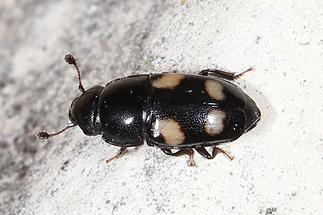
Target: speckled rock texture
{"points": [[278, 165]]}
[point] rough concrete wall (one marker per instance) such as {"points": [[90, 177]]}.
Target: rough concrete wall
{"points": [[277, 169]]}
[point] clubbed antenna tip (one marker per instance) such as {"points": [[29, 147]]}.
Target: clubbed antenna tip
{"points": [[70, 59], [43, 135]]}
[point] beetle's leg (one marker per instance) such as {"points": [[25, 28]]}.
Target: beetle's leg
{"points": [[202, 151], [217, 150], [222, 74], [180, 152], [122, 151]]}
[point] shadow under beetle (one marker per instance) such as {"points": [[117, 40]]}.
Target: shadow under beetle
{"points": [[178, 113]]}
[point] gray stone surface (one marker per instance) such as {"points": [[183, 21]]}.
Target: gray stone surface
{"points": [[277, 166]]}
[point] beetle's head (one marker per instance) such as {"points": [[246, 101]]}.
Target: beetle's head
{"points": [[83, 110]]}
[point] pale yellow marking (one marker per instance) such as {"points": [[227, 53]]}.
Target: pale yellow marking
{"points": [[170, 130], [214, 89], [214, 122], [183, 1], [168, 81]]}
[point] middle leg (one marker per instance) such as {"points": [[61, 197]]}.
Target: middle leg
{"points": [[202, 151], [180, 152]]}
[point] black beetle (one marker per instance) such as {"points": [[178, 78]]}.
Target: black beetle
{"points": [[178, 113]]}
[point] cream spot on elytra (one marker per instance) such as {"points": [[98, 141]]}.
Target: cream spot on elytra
{"points": [[214, 89], [214, 122], [170, 130], [168, 81]]}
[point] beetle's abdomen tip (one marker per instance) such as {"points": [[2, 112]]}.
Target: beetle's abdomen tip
{"points": [[253, 115]]}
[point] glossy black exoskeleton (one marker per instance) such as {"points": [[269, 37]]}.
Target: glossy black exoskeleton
{"points": [[178, 113]]}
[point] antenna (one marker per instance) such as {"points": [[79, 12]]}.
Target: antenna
{"points": [[44, 135], [70, 59]]}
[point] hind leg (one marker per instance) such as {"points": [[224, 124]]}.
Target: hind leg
{"points": [[222, 74]]}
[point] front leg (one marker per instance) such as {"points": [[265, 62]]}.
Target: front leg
{"points": [[180, 152], [222, 74], [122, 151]]}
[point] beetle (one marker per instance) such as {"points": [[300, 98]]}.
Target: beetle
{"points": [[178, 113]]}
